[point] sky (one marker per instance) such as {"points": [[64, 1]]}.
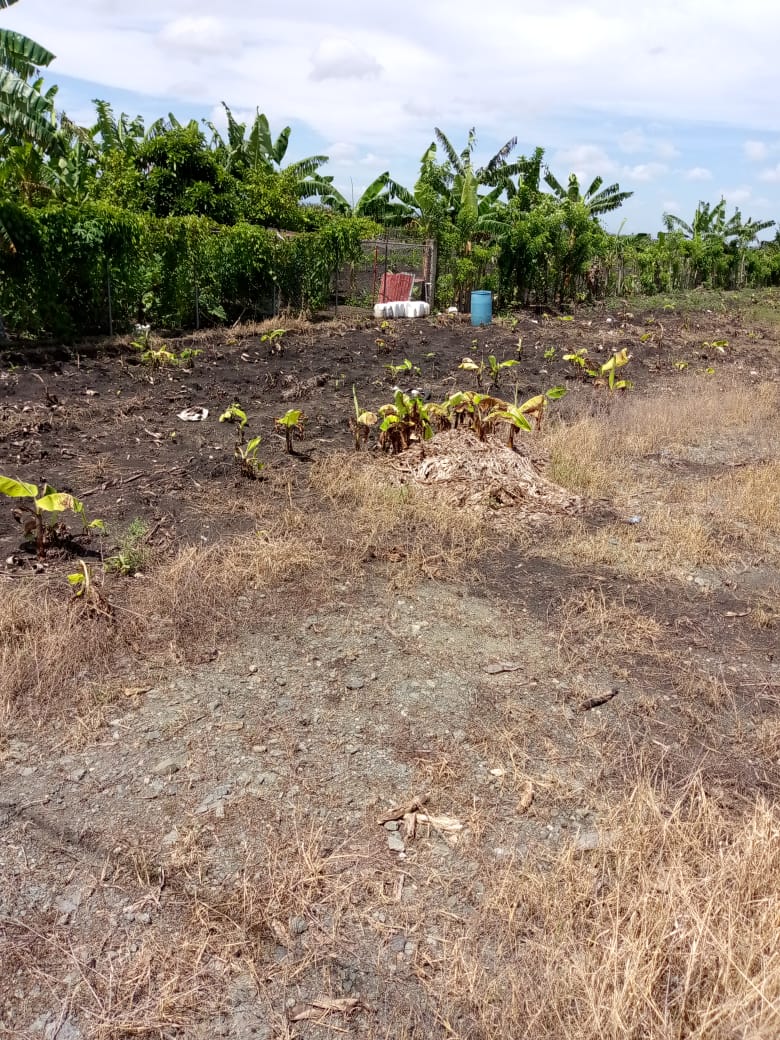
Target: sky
{"points": [[675, 100]]}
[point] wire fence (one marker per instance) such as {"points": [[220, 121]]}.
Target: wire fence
{"points": [[358, 285]]}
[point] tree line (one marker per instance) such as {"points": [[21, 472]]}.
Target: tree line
{"points": [[128, 190]]}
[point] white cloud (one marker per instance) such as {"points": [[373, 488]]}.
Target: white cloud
{"points": [[637, 142], [337, 58], [341, 152], [204, 36], [616, 91], [755, 150], [645, 171], [584, 160], [736, 196], [772, 175], [698, 173]]}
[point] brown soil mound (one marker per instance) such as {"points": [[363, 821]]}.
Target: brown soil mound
{"points": [[462, 471]]}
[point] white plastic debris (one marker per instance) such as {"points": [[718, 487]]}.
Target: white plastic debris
{"points": [[193, 414], [402, 309]]}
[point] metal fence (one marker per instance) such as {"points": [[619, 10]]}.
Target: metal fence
{"points": [[358, 285]]}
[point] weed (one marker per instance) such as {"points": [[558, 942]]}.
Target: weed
{"points": [[132, 552]]}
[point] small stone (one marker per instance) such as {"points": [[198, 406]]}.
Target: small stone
{"points": [[298, 925], [252, 669], [354, 682], [280, 680], [77, 774], [392, 825], [395, 842], [167, 767]]}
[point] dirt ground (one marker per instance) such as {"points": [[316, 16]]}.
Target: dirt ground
{"points": [[311, 769]]}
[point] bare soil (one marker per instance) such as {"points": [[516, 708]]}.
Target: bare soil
{"points": [[299, 808]]}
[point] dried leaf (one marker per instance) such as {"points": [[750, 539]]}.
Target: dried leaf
{"points": [[502, 666], [526, 797], [323, 1005]]}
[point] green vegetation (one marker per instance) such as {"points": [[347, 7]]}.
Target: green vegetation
{"points": [[408, 420], [291, 424], [183, 224], [246, 456], [234, 413], [40, 518], [132, 552]]}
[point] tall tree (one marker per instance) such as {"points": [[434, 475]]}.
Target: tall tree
{"points": [[243, 154], [25, 113], [710, 222], [598, 200]]}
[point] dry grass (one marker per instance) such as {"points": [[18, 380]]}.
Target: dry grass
{"points": [[589, 624], [205, 593], [599, 454], [668, 543], [55, 659], [668, 930], [664, 928], [47, 652], [376, 516]]}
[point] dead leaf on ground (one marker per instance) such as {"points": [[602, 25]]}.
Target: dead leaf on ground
{"points": [[502, 666], [135, 691], [323, 1006], [526, 797], [400, 811]]}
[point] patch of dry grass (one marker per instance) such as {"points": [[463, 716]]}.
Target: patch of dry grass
{"points": [[590, 624], [599, 454], [55, 658], [667, 543], [666, 930], [47, 652], [375, 516]]}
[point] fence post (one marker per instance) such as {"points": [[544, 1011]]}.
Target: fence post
{"points": [[429, 272]]}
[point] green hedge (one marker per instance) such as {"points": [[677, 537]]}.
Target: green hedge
{"points": [[69, 265]]}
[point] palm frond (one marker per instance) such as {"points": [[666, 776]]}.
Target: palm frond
{"points": [[452, 156]]}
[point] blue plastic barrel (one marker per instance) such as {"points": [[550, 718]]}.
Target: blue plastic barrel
{"points": [[481, 307]]}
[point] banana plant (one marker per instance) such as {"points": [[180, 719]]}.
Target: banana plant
{"points": [[291, 423], [405, 366], [246, 456], [514, 417], [610, 367], [477, 367], [44, 500], [581, 362], [404, 421], [536, 406], [496, 367], [85, 592], [362, 423], [234, 413]]}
